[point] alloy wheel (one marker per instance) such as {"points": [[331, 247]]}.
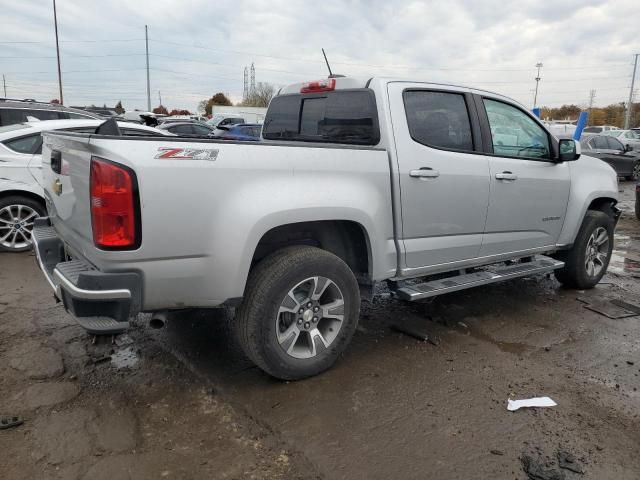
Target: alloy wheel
{"points": [[597, 251], [310, 315], [16, 226]]}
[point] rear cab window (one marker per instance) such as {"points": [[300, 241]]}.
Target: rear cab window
{"points": [[347, 116]]}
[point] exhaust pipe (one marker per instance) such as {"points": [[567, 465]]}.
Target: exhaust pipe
{"points": [[158, 320]]}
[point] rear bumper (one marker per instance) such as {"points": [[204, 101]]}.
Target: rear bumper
{"points": [[84, 290]]}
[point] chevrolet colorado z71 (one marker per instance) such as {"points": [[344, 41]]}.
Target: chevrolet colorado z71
{"points": [[433, 188]]}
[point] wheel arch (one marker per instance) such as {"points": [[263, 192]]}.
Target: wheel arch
{"points": [[347, 239], [599, 201], [24, 193]]}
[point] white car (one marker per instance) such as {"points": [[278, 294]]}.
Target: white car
{"points": [[21, 189]]}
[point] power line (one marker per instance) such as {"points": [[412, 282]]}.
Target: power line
{"points": [[74, 41]]}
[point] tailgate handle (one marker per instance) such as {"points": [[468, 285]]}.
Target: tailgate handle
{"points": [[56, 161]]}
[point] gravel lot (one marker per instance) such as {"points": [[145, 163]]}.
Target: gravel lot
{"points": [[183, 403]]}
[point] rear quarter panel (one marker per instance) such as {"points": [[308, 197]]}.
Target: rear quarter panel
{"points": [[202, 219]]}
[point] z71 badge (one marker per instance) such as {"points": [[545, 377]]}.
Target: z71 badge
{"points": [[170, 153]]}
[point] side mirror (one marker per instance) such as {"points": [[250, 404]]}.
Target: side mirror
{"points": [[569, 150], [628, 148]]}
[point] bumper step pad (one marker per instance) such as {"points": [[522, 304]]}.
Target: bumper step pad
{"points": [[540, 264], [102, 325]]}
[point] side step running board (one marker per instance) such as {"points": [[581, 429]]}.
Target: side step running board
{"points": [[540, 264]]}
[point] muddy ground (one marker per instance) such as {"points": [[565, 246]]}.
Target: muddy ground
{"points": [[182, 402]]}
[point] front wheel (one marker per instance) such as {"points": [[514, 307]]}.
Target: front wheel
{"points": [[587, 261], [299, 312], [17, 215]]}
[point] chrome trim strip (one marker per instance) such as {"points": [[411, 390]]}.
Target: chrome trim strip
{"points": [[88, 294]]}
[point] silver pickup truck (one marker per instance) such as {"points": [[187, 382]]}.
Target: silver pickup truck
{"points": [[432, 188]]}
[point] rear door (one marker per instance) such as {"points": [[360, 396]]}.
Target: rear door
{"points": [[529, 191], [444, 178]]}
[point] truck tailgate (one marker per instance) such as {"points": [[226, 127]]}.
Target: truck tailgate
{"points": [[66, 161]]}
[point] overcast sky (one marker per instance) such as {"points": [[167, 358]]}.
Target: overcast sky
{"points": [[200, 47]]}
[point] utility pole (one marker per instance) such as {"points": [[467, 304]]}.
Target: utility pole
{"points": [[627, 118], [245, 92], [252, 87], [146, 41], [4, 84], [55, 21], [159, 97], [535, 97], [592, 97]]}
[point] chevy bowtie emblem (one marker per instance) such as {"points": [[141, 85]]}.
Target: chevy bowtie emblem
{"points": [[57, 187]]}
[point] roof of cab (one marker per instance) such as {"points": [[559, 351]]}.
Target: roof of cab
{"points": [[360, 82]]}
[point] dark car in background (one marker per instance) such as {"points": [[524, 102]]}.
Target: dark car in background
{"points": [[623, 159], [187, 129], [247, 132], [14, 111]]}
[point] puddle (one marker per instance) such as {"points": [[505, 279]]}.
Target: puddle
{"points": [[125, 358], [625, 259]]}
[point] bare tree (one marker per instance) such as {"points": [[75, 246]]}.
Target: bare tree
{"points": [[261, 95]]}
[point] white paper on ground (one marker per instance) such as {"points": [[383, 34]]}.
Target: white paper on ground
{"points": [[530, 402]]}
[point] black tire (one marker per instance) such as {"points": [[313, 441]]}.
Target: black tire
{"points": [[637, 206], [13, 200], [268, 285], [636, 172], [574, 274]]}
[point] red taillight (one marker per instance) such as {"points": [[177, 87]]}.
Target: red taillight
{"points": [[327, 85], [113, 205]]}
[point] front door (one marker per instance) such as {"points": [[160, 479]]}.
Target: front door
{"points": [[529, 190], [443, 176]]}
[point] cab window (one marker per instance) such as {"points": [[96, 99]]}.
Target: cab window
{"points": [[438, 119], [514, 133]]}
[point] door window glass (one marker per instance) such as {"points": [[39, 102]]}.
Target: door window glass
{"points": [[438, 119], [200, 130], [514, 133], [181, 130], [614, 144], [600, 143]]}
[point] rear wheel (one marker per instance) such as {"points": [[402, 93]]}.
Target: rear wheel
{"points": [[587, 261], [17, 215], [300, 310]]}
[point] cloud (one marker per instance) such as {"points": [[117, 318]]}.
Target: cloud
{"points": [[201, 47]]}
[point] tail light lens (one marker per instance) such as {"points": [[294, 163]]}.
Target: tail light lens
{"points": [[327, 85], [114, 206]]}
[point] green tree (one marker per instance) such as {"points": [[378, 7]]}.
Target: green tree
{"points": [[119, 108]]}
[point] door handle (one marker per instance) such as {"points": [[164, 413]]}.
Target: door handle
{"points": [[424, 172], [506, 176]]}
